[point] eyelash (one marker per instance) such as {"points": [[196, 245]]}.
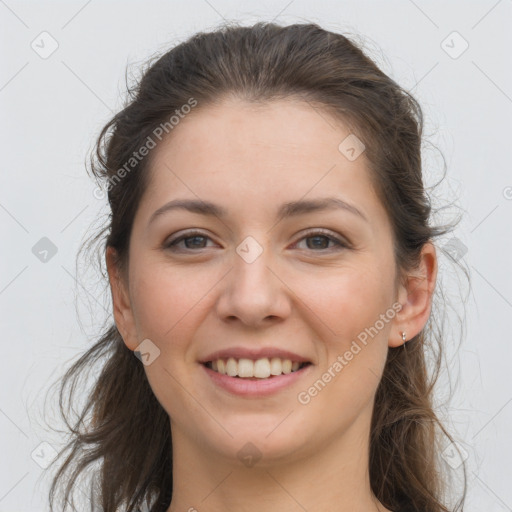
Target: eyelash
{"points": [[340, 244]]}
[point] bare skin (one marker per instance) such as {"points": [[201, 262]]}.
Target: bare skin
{"points": [[311, 298]]}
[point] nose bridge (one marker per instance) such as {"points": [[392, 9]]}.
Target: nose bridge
{"points": [[253, 291], [251, 264]]}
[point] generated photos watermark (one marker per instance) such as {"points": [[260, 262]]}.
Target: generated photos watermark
{"points": [[150, 143]]}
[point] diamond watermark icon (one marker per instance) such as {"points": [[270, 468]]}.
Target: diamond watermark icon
{"points": [[249, 250], [43, 454], [454, 457], [146, 352], [44, 249], [454, 45], [455, 249], [351, 147], [249, 454], [44, 45]]}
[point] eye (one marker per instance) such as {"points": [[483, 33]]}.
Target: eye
{"points": [[197, 240], [320, 239], [192, 240]]}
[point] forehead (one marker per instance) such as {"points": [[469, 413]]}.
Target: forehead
{"points": [[252, 157]]}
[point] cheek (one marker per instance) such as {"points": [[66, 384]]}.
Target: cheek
{"points": [[354, 308], [167, 301], [347, 300], [169, 304]]}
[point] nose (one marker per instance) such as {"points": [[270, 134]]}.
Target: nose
{"points": [[254, 294]]}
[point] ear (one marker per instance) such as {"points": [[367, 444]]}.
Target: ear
{"points": [[123, 315], [416, 298]]}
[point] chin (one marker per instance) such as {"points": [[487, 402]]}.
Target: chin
{"points": [[265, 442]]}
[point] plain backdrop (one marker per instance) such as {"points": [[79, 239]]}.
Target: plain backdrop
{"points": [[62, 76]]}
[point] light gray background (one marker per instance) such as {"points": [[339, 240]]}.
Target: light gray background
{"points": [[53, 108]]}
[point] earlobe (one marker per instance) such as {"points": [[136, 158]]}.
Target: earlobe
{"points": [[121, 304], [416, 299]]}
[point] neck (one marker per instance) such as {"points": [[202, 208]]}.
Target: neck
{"points": [[334, 476]]}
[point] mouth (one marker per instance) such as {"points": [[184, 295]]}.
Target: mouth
{"points": [[259, 369]]}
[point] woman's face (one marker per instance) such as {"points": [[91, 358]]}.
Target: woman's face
{"points": [[250, 280]]}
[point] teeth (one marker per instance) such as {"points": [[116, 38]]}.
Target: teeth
{"points": [[231, 367], [276, 366], [261, 368], [245, 368]]}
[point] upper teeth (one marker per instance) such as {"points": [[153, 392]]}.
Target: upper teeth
{"points": [[261, 368]]}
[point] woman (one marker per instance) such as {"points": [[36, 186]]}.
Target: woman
{"points": [[272, 270]]}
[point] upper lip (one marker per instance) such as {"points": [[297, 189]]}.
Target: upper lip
{"points": [[253, 353]]}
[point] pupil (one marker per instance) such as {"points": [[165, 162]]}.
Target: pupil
{"points": [[194, 238], [322, 246]]}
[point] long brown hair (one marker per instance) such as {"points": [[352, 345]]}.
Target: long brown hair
{"points": [[122, 431]]}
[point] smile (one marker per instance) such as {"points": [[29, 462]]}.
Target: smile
{"points": [[255, 378], [263, 368]]}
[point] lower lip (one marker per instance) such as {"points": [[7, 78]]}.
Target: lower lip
{"points": [[257, 387]]}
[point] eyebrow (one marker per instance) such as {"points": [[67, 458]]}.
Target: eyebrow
{"points": [[286, 210]]}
